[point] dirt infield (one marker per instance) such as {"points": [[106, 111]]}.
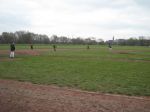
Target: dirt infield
{"points": [[4, 54], [21, 52], [26, 97]]}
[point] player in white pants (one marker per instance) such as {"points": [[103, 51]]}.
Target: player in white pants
{"points": [[12, 50], [12, 54]]}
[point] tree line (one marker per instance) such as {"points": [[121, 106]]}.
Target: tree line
{"points": [[23, 37], [141, 41]]}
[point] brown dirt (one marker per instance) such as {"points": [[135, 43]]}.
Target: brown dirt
{"points": [[26, 97], [27, 52], [18, 52], [131, 52], [21, 52]]}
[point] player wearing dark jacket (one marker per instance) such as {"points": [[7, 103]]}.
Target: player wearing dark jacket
{"points": [[12, 47]]}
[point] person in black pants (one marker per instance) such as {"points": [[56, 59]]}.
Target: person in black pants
{"points": [[54, 47], [109, 45], [31, 46]]}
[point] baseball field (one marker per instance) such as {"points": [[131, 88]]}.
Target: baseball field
{"points": [[122, 70]]}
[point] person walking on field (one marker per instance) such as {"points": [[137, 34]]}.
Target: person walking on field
{"points": [[31, 46], [109, 45], [12, 50], [54, 47], [88, 47]]}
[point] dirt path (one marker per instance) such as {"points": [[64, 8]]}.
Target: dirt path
{"points": [[26, 97], [22, 52]]}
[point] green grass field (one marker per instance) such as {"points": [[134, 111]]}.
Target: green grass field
{"points": [[124, 70]]}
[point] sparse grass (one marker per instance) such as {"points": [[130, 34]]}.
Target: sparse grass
{"points": [[74, 66]]}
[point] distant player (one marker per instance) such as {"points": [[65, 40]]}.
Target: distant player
{"points": [[31, 46], [88, 47], [54, 47], [12, 50], [109, 45]]}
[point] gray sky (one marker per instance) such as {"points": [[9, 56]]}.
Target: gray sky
{"points": [[85, 18]]}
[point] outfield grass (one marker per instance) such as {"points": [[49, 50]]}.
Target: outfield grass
{"points": [[124, 70]]}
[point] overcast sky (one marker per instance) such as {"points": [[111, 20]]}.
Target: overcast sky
{"points": [[85, 18]]}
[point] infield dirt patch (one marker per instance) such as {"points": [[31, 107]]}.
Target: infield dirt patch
{"points": [[26, 97], [21, 52]]}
